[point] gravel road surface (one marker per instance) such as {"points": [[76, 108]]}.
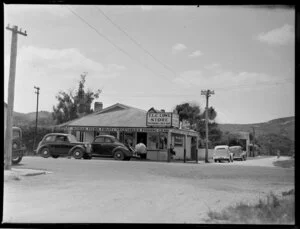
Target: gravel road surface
{"points": [[108, 191]]}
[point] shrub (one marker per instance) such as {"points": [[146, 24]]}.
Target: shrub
{"points": [[29, 132], [275, 210]]}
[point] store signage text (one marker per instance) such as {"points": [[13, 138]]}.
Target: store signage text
{"points": [[162, 119]]}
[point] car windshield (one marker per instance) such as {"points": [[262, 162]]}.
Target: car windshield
{"points": [[16, 134], [234, 149], [72, 138], [221, 149]]}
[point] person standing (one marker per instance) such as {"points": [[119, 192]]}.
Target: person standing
{"points": [[141, 149], [172, 151], [278, 154]]}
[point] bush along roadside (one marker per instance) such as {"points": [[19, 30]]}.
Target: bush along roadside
{"points": [[285, 164], [28, 133], [273, 210]]}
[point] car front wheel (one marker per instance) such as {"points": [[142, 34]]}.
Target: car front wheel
{"points": [[16, 160], [77, 154], [118, 155], [45, 152]]}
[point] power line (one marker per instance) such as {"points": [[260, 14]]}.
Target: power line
{"points": [[136, 42], [184, 95], [244, 86], [112, 43]]}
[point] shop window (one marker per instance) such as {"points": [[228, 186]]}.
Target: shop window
{"points": [[163, 141], [152, 141], [178, 140], [81, 136], [96, 133], [128, 138], [113, 133]]}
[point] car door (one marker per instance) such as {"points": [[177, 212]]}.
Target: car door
{"points": [[61, 145], [97, 146], [108, 146]]}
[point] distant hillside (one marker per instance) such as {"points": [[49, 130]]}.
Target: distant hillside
{"points": [[44, 118], [281, 126]]}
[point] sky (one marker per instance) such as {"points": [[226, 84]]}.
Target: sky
{"points": [[157, 56]]}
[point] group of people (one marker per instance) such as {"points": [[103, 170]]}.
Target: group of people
{"points": [[141, 149]]}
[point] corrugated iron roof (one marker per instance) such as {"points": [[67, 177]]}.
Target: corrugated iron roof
{"points": [[130, 117]]}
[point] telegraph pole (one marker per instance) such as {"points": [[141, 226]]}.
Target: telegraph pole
{"points": [[11, 93], [207, 94], [253, 142], [37, 92]]}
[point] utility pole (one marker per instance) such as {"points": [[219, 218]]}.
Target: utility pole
{"points": [[11, 93], [253, 142], [207, 94], [37, 92]]}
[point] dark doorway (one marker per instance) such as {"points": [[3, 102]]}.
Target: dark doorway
{"points": [[193, 148], [141, 137]]}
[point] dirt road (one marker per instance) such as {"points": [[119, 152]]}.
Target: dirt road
{"points": [[108, 191]]}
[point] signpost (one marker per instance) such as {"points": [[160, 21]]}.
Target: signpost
{"points": [[162, 119]]}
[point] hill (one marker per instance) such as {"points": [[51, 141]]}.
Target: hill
{"points": [[44, 118], [281, 126]]}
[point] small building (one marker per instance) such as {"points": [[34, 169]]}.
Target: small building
{"points": [[158, 130], [244, 138]]}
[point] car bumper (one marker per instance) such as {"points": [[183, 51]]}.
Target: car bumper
{"points": [[221, 158]]}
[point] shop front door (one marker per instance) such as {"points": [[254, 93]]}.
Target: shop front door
{"points": [[141, 137]]}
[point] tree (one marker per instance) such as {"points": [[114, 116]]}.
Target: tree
{"points": [[192, 113], [73, 105], [188, 112]]}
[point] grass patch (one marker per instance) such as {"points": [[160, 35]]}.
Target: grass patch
{"points": [[273, 210], [285, 164]]}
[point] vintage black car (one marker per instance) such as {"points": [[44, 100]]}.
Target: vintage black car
{"points": [[18, 148], [59, 145], [238, 153], [109, 146]]}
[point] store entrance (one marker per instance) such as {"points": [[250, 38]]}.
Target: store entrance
{"points": [[141, 137]]}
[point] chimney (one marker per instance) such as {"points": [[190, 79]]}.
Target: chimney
{"points": [[98, 106]]}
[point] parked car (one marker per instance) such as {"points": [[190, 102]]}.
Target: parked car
{"points": [[18, 148], [222, 153], [60, 144], [109, 146], [238, 153]]}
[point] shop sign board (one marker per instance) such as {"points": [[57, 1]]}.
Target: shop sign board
{"points": [[175, 120], [162, 119], [125, 129]]}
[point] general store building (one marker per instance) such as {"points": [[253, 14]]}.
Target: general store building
{"points": [[156, 129]]}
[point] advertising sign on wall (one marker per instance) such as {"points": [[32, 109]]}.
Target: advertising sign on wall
{"points": [[159, 119], [175, 120], [162, 119]]}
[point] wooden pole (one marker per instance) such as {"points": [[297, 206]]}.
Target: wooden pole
{"points": [[36, 114], [10, 97], [169, 145], [184, 152], [207, 94], [197, 150]]}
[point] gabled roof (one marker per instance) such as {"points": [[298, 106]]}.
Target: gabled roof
{"points": [[117, 106], [117, 115]]}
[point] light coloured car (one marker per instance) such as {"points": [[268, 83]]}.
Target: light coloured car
{"points": [[222, 153], [238, 153]]}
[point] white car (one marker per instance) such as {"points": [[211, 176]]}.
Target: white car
{"points": [[222, 153]]}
